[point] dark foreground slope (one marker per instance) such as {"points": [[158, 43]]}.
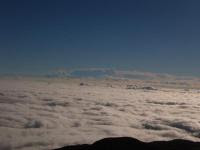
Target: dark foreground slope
{"points": [[126, 143]]}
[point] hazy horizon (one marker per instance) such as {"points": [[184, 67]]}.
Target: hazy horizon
{"points": [[91, 71]]}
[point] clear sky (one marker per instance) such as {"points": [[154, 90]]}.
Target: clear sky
{"points": [[145, 35]]}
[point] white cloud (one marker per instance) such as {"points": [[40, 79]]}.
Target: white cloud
{"points": [[45, 114]]}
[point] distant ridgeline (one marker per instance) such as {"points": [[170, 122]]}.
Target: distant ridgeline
{"points": [[92, 73], [112, 73], [83, 73]]}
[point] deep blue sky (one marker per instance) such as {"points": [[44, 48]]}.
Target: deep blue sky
{"points": [[149, 35]]}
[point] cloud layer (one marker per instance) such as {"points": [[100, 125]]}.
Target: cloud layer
{"points": [[50, 113]]}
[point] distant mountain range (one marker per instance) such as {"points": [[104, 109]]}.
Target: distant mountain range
{"points": [[113, 73]]}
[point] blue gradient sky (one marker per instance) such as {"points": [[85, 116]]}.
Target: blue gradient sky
{"points": [[149, 35]]}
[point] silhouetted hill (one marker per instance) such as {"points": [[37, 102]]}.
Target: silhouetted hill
{"points": [[127, 143]]}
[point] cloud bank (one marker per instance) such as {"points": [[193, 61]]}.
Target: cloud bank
{"points": [[49, 113]]}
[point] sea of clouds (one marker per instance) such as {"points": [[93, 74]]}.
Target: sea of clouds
{"points": [[48, 113]]}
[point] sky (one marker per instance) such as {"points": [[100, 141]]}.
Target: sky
{"points": [[145, 35]]}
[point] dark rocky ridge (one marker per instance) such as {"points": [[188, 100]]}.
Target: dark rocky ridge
{"points": [[127, 143]]}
